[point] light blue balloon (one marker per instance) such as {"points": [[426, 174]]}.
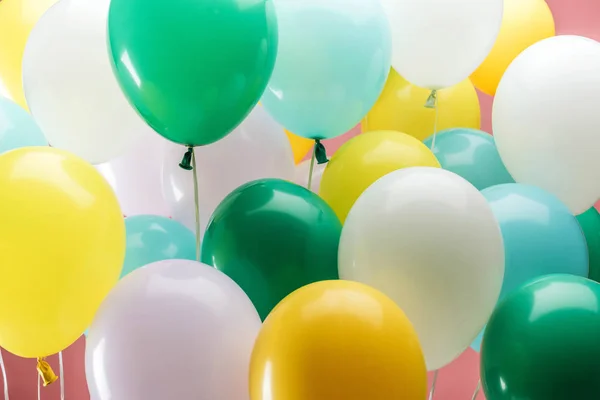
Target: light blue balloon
{"points": [[332, 63], [471, 154], [152, 238], [541, 236], [17, 127]]}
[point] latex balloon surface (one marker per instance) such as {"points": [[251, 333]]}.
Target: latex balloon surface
{"points": [[273, 237], [590, 223], [63, 242], [17, 128], [337, 340], [424, 236], [179, 320], [300, 146], [366, 158], [400, 107], [545, 118]]}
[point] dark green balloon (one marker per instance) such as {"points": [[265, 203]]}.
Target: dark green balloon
{"points": [[193, 69], [543, 342], [590, 223], [273, 237]]}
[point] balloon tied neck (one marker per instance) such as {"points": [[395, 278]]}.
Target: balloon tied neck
{"points": [[431, 100], [320, 152], [186, 161], [45, 371]]}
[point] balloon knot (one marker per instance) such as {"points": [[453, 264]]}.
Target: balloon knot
{"points": [[45, 371], [186, 162], [320, 152], [431, 100]]}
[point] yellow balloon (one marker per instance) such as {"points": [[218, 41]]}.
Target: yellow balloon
{"points": [[366, 158], [17, 18], [401, 107], [524, 23], [335, 340], [300, 146], [62, 245]]}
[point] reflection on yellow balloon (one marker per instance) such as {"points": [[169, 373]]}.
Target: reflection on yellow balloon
{"points": [[62, 245], [17, 18], [337, 340], [401, 107], [300, 146], [366, 158], [524, 23]]}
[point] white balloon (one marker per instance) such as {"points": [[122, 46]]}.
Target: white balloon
{"points": [[302, 173], [428, 239], [256, 149], [70, 87], [439, 43], [136, 176], [546, 117]]}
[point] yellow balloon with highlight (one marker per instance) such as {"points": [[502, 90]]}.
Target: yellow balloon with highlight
{"points": [[401, 107], [337, 340], [17, 18], [524, 22], [300, 146], [62, 246], [366, 158]]}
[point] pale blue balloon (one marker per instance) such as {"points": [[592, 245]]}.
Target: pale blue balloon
{"points": [[541, 236], [17, 127], [472, 154], [332, 63]]}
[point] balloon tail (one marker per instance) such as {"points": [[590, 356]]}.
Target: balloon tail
{"points": [[432, 391], [320, 152], [45, 372], [477, 390], [61, 374], [312, 167], [196, 202], [432, 102], [4, 376], [187, 159]]}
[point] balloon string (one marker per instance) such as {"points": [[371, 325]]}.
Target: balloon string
{"points": [[477, 390], [196, 203], [312, 167], [61, 375], [432, 391], [39, 393], [4, 376]]}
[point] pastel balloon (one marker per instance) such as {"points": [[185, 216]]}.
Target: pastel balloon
{"points": [[63, 243], [428, 239], [300, 146], [321, 86], [471, 154], [366, 158], [70, 87], [524, 22], [193, 69], [152, 238], [17, 128], [437, 44], [590, 224], [337, 340], [184, 323], [257, 149], [545, 117], [400, 107], [542, 342], [273, 237]]}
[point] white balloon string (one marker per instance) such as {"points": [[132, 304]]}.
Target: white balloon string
{"points": [[477, 390], [61, 376], [196, 203], [39, 392], [432, 391], [312, 167], [4, 376]]}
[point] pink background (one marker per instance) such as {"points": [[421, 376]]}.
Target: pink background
{"points": [[455, 382]]}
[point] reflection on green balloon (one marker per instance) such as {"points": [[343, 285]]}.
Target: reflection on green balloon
{"points": [[542, 342], [193, 69], [590, 223], [273, 237]]}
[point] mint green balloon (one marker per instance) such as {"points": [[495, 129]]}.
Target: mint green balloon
{"points": [[17, 127], [193, 69]]}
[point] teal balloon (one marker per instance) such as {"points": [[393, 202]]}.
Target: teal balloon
{"points": [[471, 154], [151, 238], [193, 69], [273, 237], [332, 64], [542, 342], [17, 128]]}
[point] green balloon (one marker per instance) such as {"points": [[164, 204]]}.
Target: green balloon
{"points": [[590, 223], [193, 69], [273, 237], [543, 342]]}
